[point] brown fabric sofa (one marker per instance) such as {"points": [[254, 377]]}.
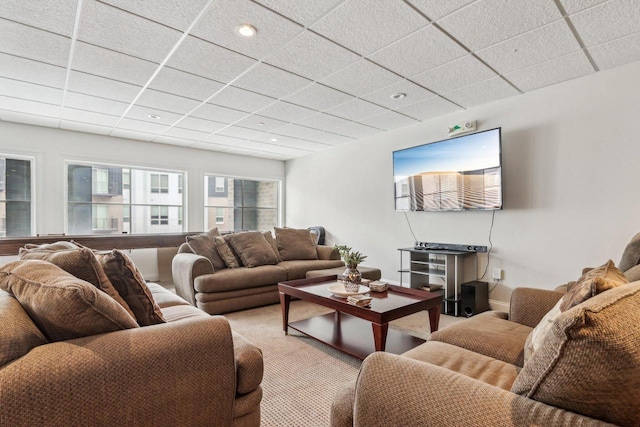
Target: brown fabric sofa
{"points": [[218, 291], [191, 369]]}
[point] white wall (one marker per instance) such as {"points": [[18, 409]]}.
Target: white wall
{"points": [[570, 173], [52, 147]]}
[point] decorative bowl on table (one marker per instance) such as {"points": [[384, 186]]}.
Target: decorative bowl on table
{"points": [[340, 291]]}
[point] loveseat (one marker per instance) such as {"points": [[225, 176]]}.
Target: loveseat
{"points": [[220, 274], [71, 354], [565, 357]]}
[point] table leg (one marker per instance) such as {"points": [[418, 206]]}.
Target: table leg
{"points": [[434, 318], [380, 335], [285, 301]]}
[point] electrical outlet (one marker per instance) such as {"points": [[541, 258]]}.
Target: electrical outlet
{"points": [[497, 274]]}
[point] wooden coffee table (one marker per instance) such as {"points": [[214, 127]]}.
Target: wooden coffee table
{"points": [[348, 327]]}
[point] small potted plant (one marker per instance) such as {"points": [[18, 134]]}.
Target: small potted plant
{"points": [[351, 276]]}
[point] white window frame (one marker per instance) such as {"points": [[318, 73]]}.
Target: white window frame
{"points": [[32, 160]]}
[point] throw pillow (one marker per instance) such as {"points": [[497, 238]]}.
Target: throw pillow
{"points": [[592, 283], [61, 305], [82, 263], [130, 284], [589, 362], [56, 246], [18, 334], [539, 333], [295, 244], [225, 252], [631, 255], [272, 242], [203, 244], [253, 249]]}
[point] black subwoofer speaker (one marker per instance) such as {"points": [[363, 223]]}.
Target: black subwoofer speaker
{"points": [[475, 298]]}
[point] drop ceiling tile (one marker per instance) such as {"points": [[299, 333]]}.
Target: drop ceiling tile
{"points": [[356, 130], [279, 149], [89, 84], [318, 97], [201, 125], [166, 102], [331, 138], [219, 23], [175, 14], [140, 113], [322, 121], [456, 74], [56, 16], [30, 91], [554, 71], [356, 109], [222, 140], [271, 81], [26, 70], [29, 119], [261, 123], [618, 52], [218, 114], [208, 60], [361, 78], [607, 21], [178, 82], [482, 93], [27, 42], [436, 9], [170, 140], [364, 28], [305, 13], [105, 26], [413, 92], [240, 99], [208, 146], [296, 131], [573, 6], [89, 117], [539, 45], [92, 103], [487, 22], [141, 126], [84, 127], [389, 120], [421, 51], [286, 111], [179, 132], [287, 141], [312, 56], [29, 107], [113, 65], [430, 108], [130, 134], [240, 132]]}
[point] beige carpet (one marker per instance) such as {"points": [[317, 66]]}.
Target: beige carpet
{"points": [[302, 375]]}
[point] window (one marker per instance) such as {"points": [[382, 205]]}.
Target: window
{"points": [[159, 183], [16, 194], [180, 184], [241, 204], [127, 205]]}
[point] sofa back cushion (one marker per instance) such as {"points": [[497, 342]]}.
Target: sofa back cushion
{"points": [[272, 242], [61, 305], [295, 244], [589, 361], [253, 249], [230, 259], [631, 255], [130, 284], [203, 244], [18, 333]]}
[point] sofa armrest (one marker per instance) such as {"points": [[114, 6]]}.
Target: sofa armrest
{"points": [[179, 373], [529, 305], [396, 390], [185, 267], [327, 252]]}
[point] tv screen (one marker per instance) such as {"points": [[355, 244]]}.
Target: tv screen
{"points": [[456, 174]]}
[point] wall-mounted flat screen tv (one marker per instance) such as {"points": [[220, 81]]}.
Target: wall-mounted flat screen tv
{"points": [[456, 174]]}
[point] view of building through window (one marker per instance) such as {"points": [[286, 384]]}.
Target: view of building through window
{"points": [[234, 204], [15, 197], [113, 200]]}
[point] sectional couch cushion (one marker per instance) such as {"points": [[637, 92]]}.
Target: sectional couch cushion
{"points": [[18, 333], [591, 283], [295, 244], [298, 269], [589, 361], [61, 305], [130, 284], [253, 249], [231, 279], [203, 244]]}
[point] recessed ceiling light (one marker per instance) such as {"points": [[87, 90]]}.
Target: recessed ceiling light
{"points": [[246, 30], [274, 140], [261, 124], [398, 95], [153, 116]]}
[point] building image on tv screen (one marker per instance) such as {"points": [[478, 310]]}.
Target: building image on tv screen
{"points": [[462, 173]]}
